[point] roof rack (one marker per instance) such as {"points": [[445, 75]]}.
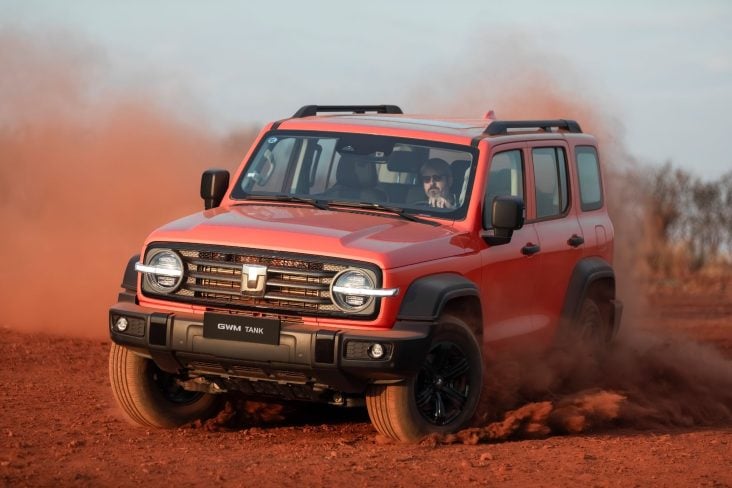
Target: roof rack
{"points": [[310, 110], [498, 127]]}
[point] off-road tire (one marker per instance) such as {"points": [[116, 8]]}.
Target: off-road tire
{"points": [[394, 409], [150, 397], [593, 323]]}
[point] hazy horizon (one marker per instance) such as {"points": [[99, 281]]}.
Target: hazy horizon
{"points": [[662, 71]]}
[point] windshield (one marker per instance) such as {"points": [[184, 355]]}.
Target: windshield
{"points": [[415, 176]]}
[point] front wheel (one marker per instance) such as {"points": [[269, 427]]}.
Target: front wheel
{"points": [[151, 397], [442, 397]]}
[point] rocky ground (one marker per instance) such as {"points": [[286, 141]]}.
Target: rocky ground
{"points": [[670, 426]]}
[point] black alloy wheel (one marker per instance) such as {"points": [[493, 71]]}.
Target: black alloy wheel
{"points": [[443, 384], [444, 394]]}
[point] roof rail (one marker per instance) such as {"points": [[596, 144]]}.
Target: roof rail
{"points": [[498, 127], [310, 110]]}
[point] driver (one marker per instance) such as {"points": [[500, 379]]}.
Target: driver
{"points": [[437, 181]]}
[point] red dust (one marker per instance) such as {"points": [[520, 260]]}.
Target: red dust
{"points": [[642, 381], [82, 182]]}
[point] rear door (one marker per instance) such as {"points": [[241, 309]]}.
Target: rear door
{"points": [[561, 240], [593, 217]]}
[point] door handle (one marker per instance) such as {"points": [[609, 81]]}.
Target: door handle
{"points": [[575, 240], [530, 249]]}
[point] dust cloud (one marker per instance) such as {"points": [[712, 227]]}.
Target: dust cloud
{"points": [[238, 411], [648, 377], [85, 175], [641, 381]]}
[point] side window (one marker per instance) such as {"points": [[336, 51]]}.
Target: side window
{"points": [[588, 172], [268, 172], [506, 176], [550, 180]]}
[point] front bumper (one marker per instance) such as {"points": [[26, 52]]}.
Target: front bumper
{"points": [[306, 354]]}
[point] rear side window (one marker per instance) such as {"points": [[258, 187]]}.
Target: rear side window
{"points": [[550, 179], [588, 172]]}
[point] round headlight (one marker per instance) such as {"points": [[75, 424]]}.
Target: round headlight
{"points": [[169, 273], [356, 279]]}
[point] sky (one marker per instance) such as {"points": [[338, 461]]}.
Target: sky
{"points": [[663, 69]]}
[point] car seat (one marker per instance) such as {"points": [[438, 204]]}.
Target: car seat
{"points": [[356, 180]]}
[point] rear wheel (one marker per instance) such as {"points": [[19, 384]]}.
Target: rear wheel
{"points": [[151, 397], [593, 322], [442, 397]]}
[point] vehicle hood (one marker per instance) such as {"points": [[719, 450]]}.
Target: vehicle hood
{"points": [[383, 239]]}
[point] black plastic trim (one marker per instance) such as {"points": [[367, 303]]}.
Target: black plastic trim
{"points": [[325, 341], [585, 273], [312, 110], [575, 240], [500, 127], [313, 350], [128, 293], [158, 330], [129, 280], [476, 140], [530, 249], [277, 124], [129, 296], [426, 297]]}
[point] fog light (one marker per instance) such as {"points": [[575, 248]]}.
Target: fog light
{"points": [[376, 351], [121, 324]]}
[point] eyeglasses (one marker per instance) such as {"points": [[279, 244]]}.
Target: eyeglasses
{"points": [[429, 178]]}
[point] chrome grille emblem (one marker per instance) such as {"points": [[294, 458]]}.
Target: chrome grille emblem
{"points": [[253, 279]]}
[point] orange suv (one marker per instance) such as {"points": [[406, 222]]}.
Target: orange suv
{"points": [[360, 255]]}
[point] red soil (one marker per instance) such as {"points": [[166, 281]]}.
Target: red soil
{"points": [[60, 425]]}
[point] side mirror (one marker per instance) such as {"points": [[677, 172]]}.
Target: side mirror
{"points": [[506, 215], [214, 183]]}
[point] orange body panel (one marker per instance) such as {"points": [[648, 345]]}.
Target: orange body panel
{"points": [[521, 296]]}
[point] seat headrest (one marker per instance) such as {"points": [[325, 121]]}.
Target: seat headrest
{"points": [[459, 166], [355, 173], [404, 162]]}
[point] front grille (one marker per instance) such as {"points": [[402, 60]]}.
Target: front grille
{"points": [[295, 284], [215, 278]]}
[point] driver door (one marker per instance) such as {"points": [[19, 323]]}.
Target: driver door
{"points": [[509, 270]]}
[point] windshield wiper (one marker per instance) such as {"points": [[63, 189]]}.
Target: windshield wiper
{"points": [[321, 204], [386, 208]]}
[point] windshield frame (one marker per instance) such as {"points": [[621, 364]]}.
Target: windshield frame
{"points": [[237, 194]]}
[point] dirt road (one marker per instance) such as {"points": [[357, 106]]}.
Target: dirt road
{"points": [[61, 427]]}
